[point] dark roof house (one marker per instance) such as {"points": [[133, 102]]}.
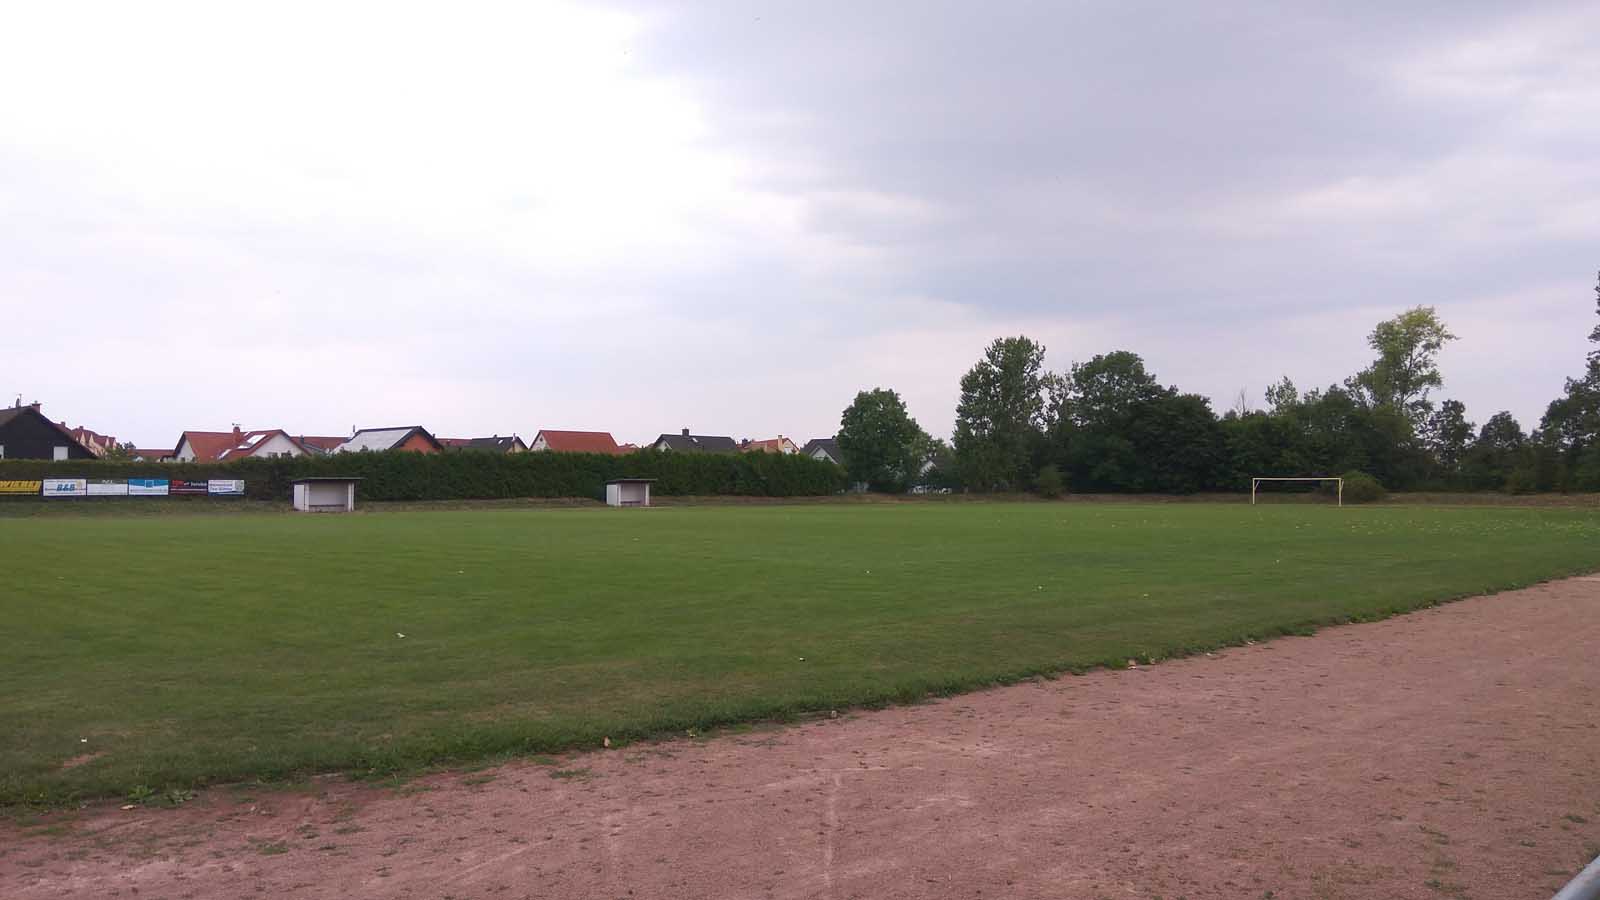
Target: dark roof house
{"points": [[495, 444], [25, 433], [413, 438], [685, 442], [824, 448]]}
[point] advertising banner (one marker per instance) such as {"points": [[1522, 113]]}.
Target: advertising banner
{"points": [[106, 487], [66, 487], [179, 486], [224, 487], [147, 487], [21, 487]]}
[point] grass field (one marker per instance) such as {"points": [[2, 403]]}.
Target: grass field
{"points": [[144, 653]]}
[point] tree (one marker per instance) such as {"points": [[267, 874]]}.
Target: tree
{"points": [[882, 445], [1406, 369], [1572, 421], [1282, 396], [1448, 434], [1496, 454], [1119, 429], [1001, 415], [1103, 390]]}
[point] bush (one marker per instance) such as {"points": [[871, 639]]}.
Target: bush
{"points": [[484, 476], [1359, 487], [1049, 483]]}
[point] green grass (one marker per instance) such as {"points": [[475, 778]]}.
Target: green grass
{"points": [[196, 649]]}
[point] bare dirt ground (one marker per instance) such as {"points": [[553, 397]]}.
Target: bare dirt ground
{"points": [[1450, 753]]}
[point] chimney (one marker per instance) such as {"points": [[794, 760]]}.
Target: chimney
{"points": [[237, 434], [686, 432]]}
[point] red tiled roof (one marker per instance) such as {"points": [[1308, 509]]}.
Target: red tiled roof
{"points": [[455, 442], [208, 446], [771, 445], [214, 446], [580, 441]]}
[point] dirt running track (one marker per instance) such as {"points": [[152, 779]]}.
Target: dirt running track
{"points": [[1450, 753]]}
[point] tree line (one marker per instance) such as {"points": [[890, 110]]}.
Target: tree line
{"points": [[1110, 425]]}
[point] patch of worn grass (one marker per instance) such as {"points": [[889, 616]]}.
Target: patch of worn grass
{"points": [[195, 649]]}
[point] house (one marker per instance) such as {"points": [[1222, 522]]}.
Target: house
{"points": [[495, 444], [227, 446], [825, 449], [695, 443], [410, 438], [575, 442], [779, 444], [98, 444], [143, 454], [25, 433]]}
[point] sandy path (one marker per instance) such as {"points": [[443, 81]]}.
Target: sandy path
{"points": [[1451, 753]]}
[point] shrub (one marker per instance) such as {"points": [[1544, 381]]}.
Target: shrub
{"points": [[1049, 483], [1359, 487]]}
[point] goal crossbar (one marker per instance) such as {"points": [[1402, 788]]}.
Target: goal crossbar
{"points": [[1319, 479]]}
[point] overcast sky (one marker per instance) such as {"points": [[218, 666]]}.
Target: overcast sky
{"points": [[733, 216]]}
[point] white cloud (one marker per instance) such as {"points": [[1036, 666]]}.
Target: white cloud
{"points": [[497, 217]]}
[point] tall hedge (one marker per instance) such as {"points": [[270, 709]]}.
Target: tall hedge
{"points": [[471, 475]]}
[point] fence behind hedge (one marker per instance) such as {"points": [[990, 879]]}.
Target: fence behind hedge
{"points": [[469, 475]]}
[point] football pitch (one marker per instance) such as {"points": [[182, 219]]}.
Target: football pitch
{"points": [[147, 653]]}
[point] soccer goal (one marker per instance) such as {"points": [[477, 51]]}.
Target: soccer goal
{"points": [[1255, 485]]}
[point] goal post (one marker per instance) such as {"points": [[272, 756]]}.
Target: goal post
{"points": [[1255, 484]]}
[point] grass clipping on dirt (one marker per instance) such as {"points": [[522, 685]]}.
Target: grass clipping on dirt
{"points": [[160, 654]]}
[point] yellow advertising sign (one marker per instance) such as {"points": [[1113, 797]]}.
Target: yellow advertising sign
{"points": [[20, 487]]}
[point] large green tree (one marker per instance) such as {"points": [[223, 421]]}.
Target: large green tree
{"points": [[1118, 429], [882, 445], [1407, 367], [1001, 415], [1448, 435], [1495, 454], [1572, 422]]}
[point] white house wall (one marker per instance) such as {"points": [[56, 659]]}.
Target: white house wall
{"points": [[277, 445]]}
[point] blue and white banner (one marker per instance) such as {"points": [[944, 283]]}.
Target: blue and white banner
{"points": [[223, 487], [147, 487], [105, 487], [66, 487]]}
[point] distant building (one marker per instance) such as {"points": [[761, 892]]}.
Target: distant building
{"points": [[409, 438], [779, 444], [227, 446], [495, 444], [824, 448], [25, 433], [150, 454], [695, 443], [96, 443], [575, 442]]}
